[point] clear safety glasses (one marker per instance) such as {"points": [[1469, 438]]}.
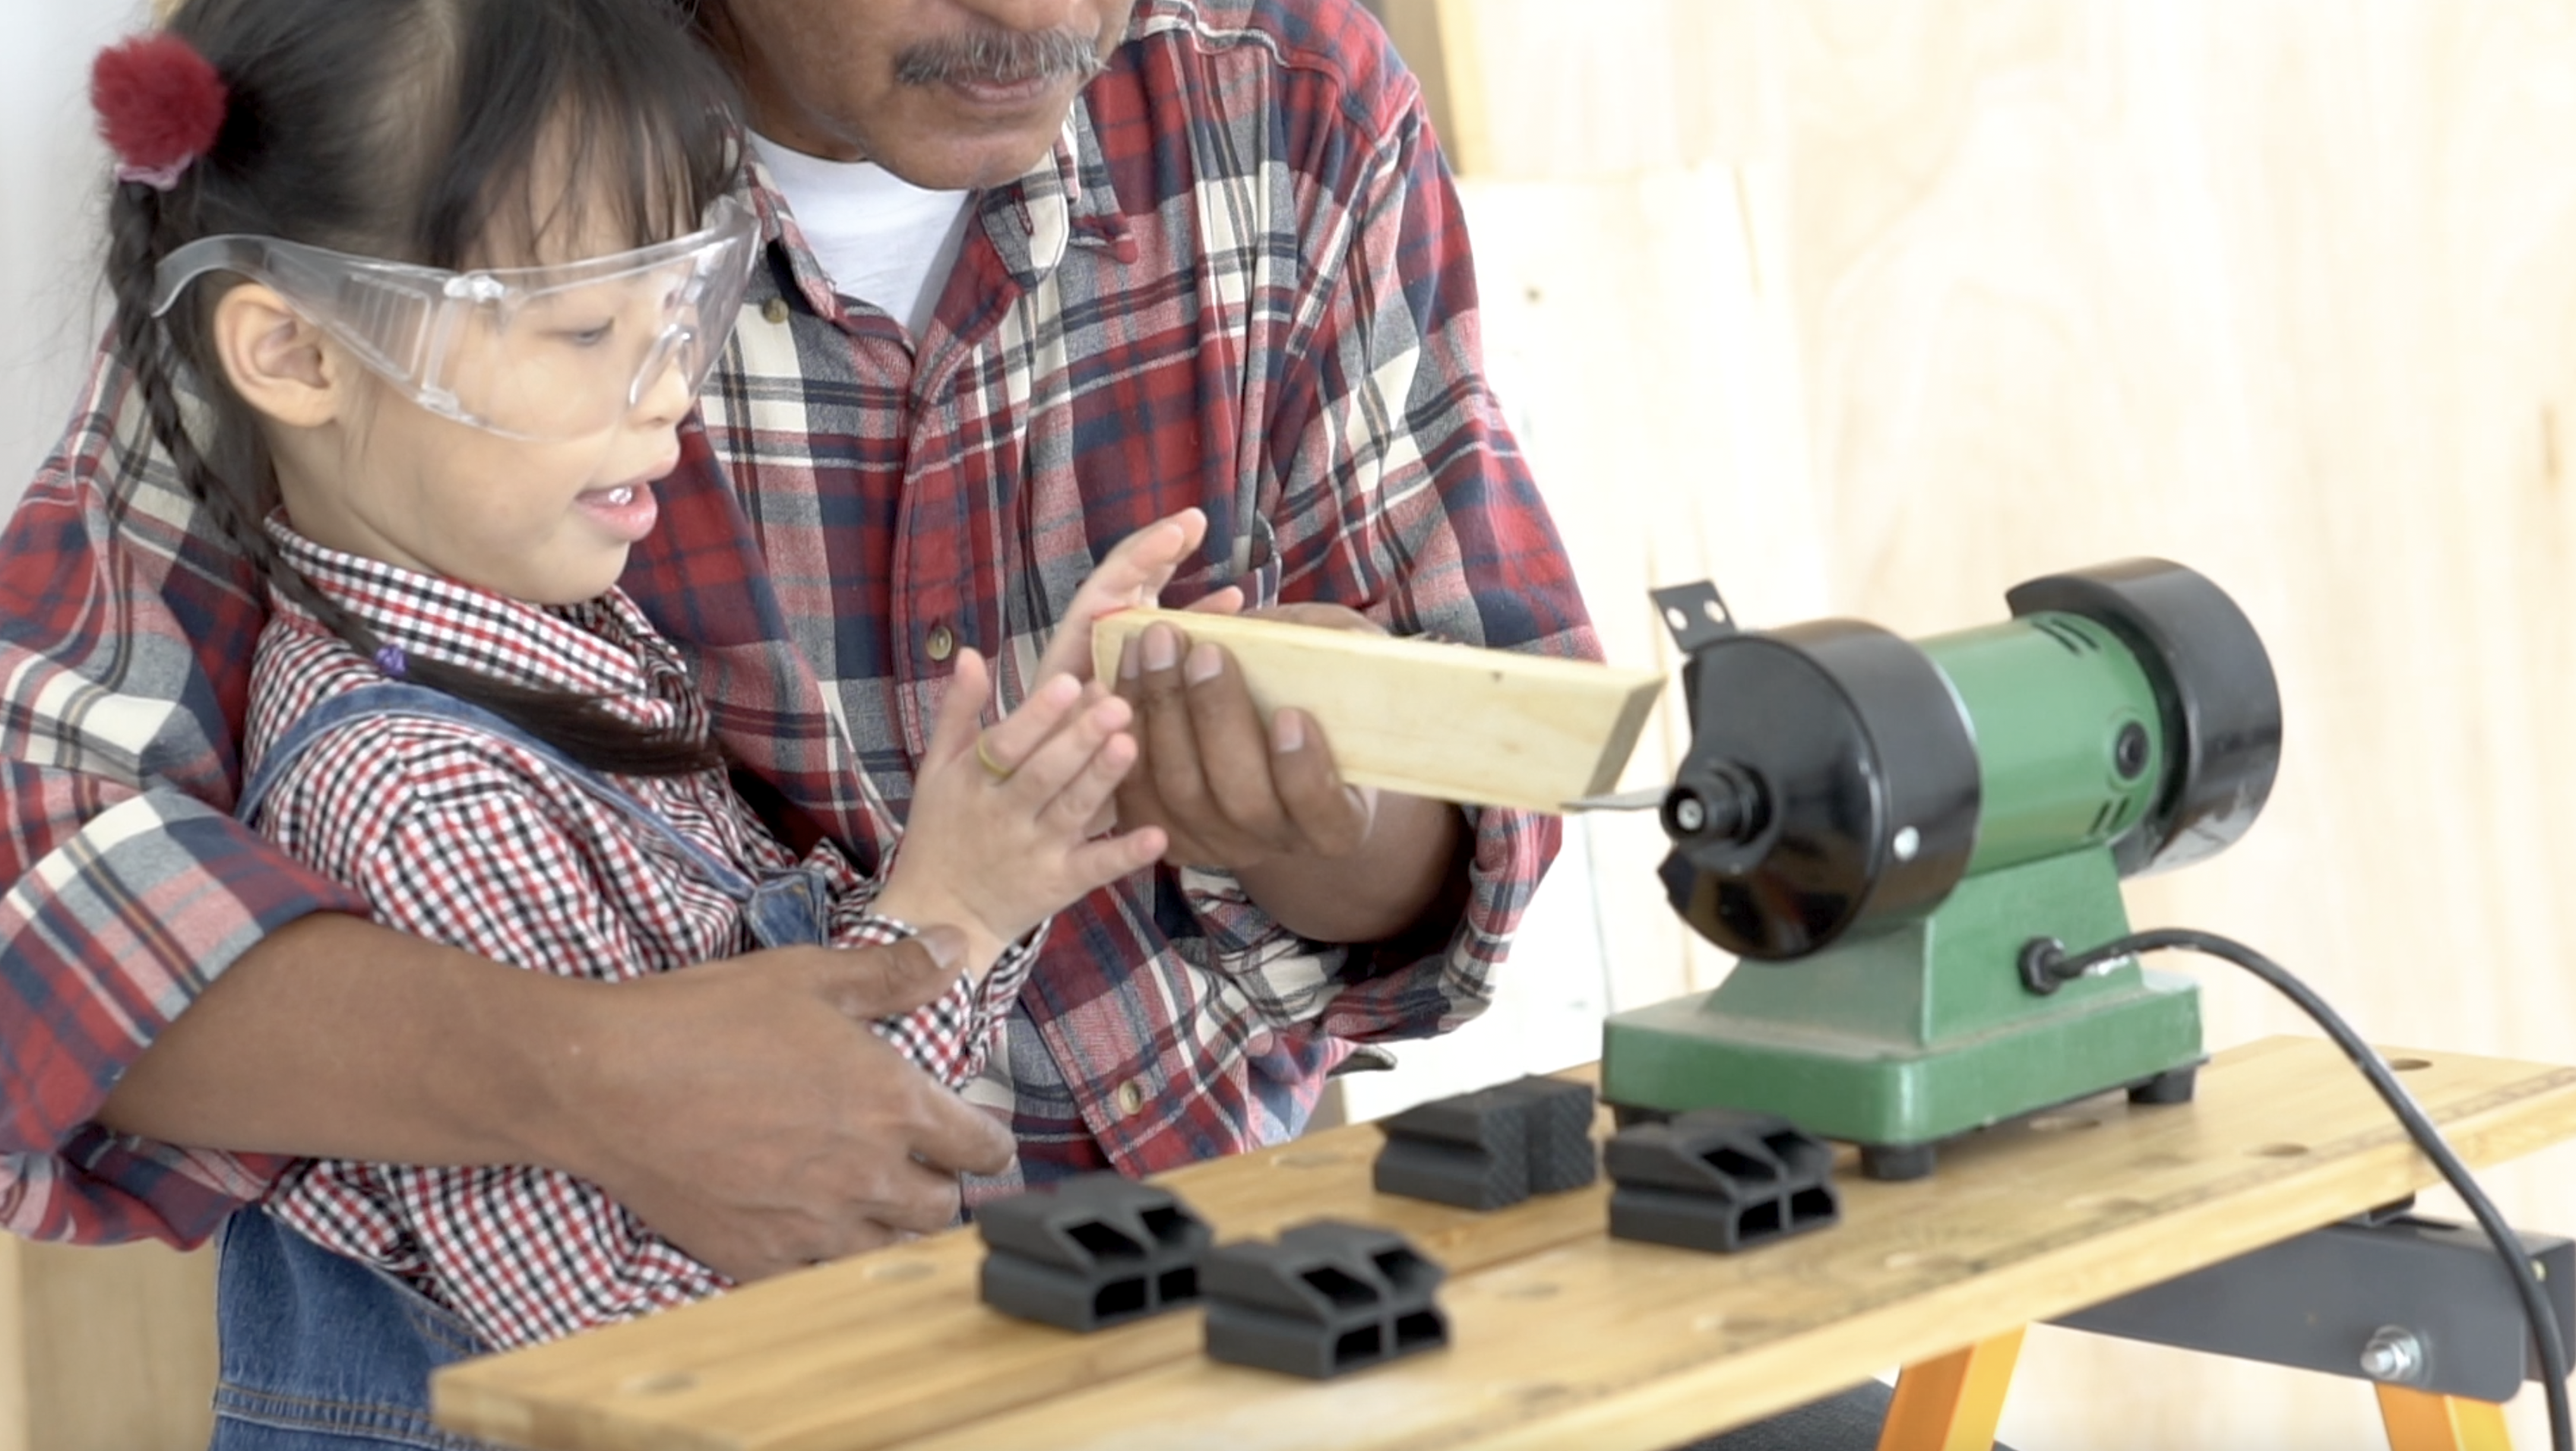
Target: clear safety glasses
{"points": [[537, 353]]}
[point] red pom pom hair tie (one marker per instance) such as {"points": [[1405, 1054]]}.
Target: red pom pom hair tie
{"points": [[160, 105]]}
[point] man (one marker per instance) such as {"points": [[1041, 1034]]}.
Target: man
{"points": [[1192, 256]]}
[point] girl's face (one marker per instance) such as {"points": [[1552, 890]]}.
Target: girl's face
{"points": [[548, 521]]}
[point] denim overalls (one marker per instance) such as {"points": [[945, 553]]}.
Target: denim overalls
{"points": [[324, 1353]]}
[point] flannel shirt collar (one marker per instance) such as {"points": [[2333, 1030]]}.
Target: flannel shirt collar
{"points": [[601, 647], [1064, 201]]}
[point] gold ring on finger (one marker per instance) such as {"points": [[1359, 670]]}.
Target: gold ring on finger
{"points": [[992, 768]]}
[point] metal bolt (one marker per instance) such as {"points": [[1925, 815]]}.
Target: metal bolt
{"points": [[1689, 814], [2393, 1353]]}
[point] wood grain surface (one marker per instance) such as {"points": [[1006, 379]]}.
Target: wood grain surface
{"points": [[1560, 1336], [1483, 727], [105, 1349]]}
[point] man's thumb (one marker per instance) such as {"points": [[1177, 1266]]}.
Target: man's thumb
{"points": [[881, 982]]}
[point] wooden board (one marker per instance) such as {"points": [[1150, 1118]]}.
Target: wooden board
{"points": [[1560, 1335], [105, 1349], [1484, 727]]}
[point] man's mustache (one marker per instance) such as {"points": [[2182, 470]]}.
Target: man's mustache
{"points": [[1000, 58]]}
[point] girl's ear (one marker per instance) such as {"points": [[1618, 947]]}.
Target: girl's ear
{"points": [[277, 361]]}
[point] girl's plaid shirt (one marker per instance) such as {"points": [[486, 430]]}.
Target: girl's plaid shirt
{"points": [[459, 836]]}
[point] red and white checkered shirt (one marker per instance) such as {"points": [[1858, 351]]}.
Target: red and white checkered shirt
{"points": [[455, 834], [1240, 282]]}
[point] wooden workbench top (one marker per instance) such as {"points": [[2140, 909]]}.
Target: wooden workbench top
{"points": [[1559, 1335]]}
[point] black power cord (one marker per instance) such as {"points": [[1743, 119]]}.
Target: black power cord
{"points": [[2045, 963]]}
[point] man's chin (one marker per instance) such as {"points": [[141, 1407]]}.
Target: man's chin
{"points": [[965, 142], [964, 169]]}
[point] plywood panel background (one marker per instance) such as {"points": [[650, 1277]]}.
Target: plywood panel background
{"points": [[1878, 308], [105, 1349]]}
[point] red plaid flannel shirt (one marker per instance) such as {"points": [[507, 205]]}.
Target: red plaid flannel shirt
{"points": [[1240, 282], [443, 827]]}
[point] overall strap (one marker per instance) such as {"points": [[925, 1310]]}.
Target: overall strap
{"points": [[402, 698]]}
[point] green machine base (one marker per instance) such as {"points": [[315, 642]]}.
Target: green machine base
{"points": [[1924, 1031]]}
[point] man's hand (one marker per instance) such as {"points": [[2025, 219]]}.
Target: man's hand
{"points": [[745, 1110], [1231, 793], [742, 1108], [1331, 861]]}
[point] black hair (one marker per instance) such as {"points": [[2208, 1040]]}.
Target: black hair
{"points": [[414, 130]]}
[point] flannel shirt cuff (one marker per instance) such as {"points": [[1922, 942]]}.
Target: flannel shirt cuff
{"points": [[1288, 979], [1238, 932], [103, 943], [1291, 980], [1443, 989]]}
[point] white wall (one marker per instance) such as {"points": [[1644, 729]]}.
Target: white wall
{"points": [[53, 172]]}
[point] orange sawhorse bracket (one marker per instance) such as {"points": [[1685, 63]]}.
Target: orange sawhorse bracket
{"points": [[2422, 1421], [1954, 1402]]}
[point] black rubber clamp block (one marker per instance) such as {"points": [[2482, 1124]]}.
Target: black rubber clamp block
{"points": [[1493, 1147], [1719, 1179], [1094, 1251], [1328, 1297]]}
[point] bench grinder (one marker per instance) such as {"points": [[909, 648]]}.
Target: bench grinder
{"points": [[1881, 827]]}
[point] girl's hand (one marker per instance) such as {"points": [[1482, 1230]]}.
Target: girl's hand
{"points": [[999, 835], [1132, 577]]}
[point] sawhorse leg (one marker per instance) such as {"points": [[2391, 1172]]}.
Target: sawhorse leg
{"points": [[2422, 1421], [1954, 1402]]}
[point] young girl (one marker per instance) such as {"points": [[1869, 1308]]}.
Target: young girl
{"points": [[443, 278]]}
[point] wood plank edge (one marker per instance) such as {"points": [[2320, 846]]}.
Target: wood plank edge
{"points": [[1110, 631], [1623, 737]]}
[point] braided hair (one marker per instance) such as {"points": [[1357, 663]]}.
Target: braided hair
{"points": [[410, 130]]}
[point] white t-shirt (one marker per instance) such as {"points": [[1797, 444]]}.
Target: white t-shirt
{"points": [[881, 239]]}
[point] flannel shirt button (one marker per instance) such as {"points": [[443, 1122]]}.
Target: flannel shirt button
{"points": [[940, 643], [1131, 1097], [774, 311]]}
